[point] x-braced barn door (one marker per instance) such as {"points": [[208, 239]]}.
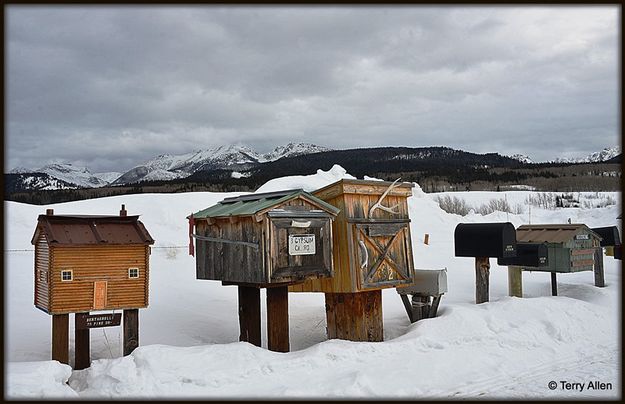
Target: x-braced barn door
{"points": [[99, 295], [382, 253]]}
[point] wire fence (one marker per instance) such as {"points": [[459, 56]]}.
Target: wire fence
{"points": [[156, 248]]}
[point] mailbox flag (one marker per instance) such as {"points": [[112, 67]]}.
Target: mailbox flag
{"points": [[191, 224]]}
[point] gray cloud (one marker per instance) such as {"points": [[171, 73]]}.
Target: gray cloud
{"points": [[111, 86]]}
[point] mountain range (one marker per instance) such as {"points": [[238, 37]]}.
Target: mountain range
{"points": [[596, 157], [164, 167], [240, 161]]}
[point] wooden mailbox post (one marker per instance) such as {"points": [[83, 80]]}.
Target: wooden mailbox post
{"points": [[267, 240], [372, 251], [87, 263]]}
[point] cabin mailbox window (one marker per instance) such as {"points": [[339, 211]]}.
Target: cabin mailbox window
{"points": [[133, 272], [67, 275]]}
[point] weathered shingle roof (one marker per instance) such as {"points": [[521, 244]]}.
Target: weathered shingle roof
{"points": [[550, 233], [247, 205], [91, 230]]}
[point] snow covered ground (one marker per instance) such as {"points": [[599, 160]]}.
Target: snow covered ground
{"points": [[507, 348]]}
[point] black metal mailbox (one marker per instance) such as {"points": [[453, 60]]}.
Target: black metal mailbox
{"points": [[609, 236], [496, 240], [528, 255]]}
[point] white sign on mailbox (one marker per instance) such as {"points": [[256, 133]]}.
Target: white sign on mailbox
{"points": [[301, 244]]}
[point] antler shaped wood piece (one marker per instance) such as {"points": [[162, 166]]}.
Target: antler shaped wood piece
{"points": [[378, 204]]}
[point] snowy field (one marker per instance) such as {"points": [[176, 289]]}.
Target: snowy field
{"points": [[507, 348]]}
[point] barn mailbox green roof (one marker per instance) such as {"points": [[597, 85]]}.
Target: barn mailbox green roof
{"points": [[248, 205]]}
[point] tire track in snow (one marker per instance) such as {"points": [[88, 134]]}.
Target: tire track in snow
{"points": [[538, 376]]}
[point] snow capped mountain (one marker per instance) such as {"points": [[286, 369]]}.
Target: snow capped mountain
{"points": [[292, 149], [522, 158], [605, 154], [231, 157], [19, 181], [108, 177], [596, 157], [21, 170], [72, 175]]}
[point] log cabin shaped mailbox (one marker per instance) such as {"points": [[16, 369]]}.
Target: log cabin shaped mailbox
{"points": [[372, 251], [87, 263], [570, 248], [266, 240]]}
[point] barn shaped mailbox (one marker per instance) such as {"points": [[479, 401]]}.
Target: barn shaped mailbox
{"points": [[372, 251], [372, 247], [571, 247], [278, 237], [266, 240], [89, 263]]}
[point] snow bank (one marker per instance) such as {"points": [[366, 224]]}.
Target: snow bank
{"points": [[38, 380], [306, 182], [464, 352]]}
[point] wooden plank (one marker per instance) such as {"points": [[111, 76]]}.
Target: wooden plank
{"points": [[554, 284], [82, 354], [249, 315], [355, 316], [331, 322], [408, 306], [278, 319], [598, 268], [131, 330], [515, 281], [435, 302], [482, 267], [60, 338]]}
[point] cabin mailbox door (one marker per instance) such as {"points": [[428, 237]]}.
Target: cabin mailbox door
{"points": [[300, 247], [382, 252], [99, 295]]}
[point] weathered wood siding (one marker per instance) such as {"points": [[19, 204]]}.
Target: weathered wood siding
{"points": [[99, 263], [42, 270], [270, 263], [231, 262], [354, 201]]}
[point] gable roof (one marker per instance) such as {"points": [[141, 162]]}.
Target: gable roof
{"points": [[248, 205], [70, 230], [551, 233]]}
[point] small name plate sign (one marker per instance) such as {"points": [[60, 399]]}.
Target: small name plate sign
{"points": [[98, 320]]}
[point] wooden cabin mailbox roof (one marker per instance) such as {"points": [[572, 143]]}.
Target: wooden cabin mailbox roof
{"points": [[256, 238], [82, 230], [570, 247], [86, 263]]}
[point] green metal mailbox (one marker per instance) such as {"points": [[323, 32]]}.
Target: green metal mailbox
{"points": [[571, 247]]}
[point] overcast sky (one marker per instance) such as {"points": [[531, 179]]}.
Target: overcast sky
{"points": [[109, 87]]}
